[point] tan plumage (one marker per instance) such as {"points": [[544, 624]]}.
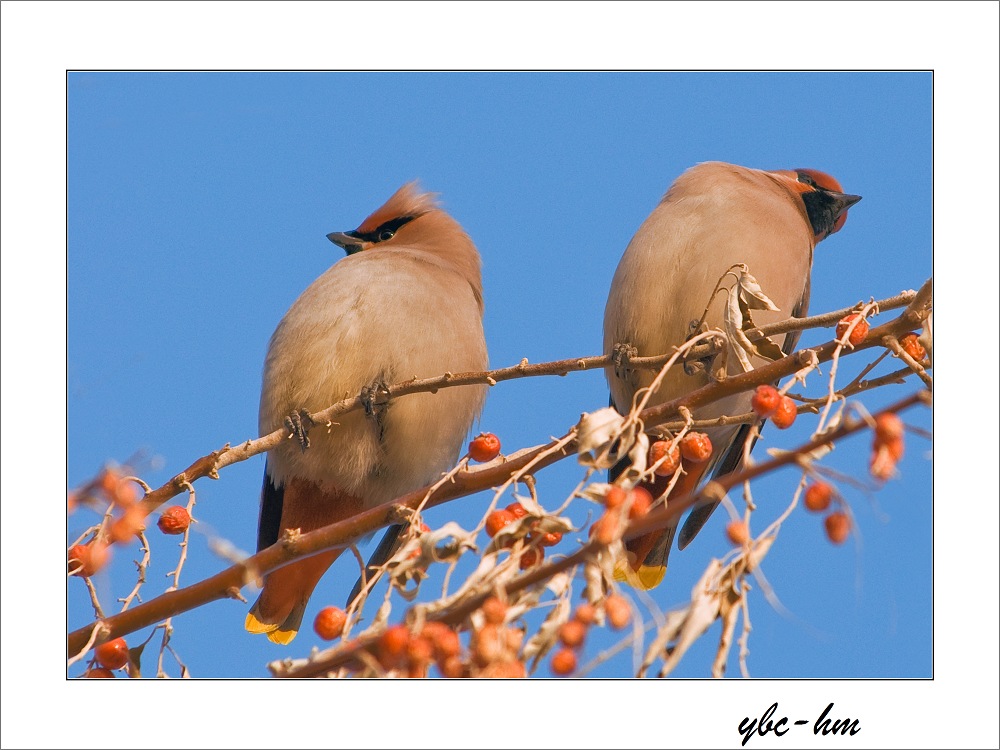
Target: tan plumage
{"points": [[406, 302], [714, 216]]}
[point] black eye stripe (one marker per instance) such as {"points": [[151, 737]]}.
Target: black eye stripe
{"points": [[807, 179], [376, 234]]}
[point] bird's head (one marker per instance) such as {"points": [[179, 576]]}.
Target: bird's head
{"points": [[825, 201], [392, 222]]}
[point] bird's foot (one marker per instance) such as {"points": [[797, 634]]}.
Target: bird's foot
{"points": [[375, 398], [298, 423], [620, 356]]}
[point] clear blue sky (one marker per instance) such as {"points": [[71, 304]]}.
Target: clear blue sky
{"points": [[198, 205], [198, 208]]}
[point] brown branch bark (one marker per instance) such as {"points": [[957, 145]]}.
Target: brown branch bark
{"points": [[229, 582], [209, 466]]}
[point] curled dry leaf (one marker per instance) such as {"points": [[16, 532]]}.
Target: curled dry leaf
{"points": [[547, 635], [737, 341], [715, 594], [598, 433], [752, 294], [744, 297]]}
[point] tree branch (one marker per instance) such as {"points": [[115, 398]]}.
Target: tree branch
{"points": [[291, 547]]}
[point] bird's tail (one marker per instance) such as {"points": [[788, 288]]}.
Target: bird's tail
{"points": [[279, 608], [647, 555]]}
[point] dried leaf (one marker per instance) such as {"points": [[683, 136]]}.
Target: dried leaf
{"points": [[600, 436], [547, 636], [737, 342], [752, 294], [706, 601], [765, 348]]}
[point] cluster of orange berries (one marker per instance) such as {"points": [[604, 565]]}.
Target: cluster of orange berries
{"points": [[493, 648], [887, 445], [573, 632], [769, 403], [817, 498], [536, 540], [397, 649], [86, 559]]}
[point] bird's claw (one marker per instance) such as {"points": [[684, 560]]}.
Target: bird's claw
{"points": [[375, 398], [620, 356], [298, 424]]}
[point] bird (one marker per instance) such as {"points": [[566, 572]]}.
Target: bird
{"points": [[405, 302], [713, 217]]}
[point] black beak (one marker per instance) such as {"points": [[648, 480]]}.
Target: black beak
{"points": [[347, 240], [842, 202]]}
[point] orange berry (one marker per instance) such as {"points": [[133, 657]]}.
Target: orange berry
{"points": [[485, 447], [661, 449], [563, 662], [551, 539], [489, 644], [605, 528], [838, 527], [444, 639], [448, 644], [572, 633], [618, 612], [392, 645], [696, 447], [71, 503], [452, 667], [329, 623], [531, 557], [125, 528], [497, 520], [517, 509], [859, 332], [888, 427], [117, 489], [883, 461], [615, 497], [586, 613], [513, 637], [494, 610], [420, 652], [112, 654], [737, 532], [818, 497], [504, 669], [765, 400], [785, 414], [895, 448], [98, 672], [174, 520], [913, 347], [641, 502], [87, 559]]}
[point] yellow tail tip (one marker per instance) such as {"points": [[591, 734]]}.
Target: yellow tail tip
{"points": [[646, 578], [276, 633], [283, 637], [255, 626]]}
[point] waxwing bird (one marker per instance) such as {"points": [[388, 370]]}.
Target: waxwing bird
{"points": [[712, 218], [406, 302]]}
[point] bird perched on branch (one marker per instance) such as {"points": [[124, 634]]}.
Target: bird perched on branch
{"points": [[677, 276], [406, 302]]}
